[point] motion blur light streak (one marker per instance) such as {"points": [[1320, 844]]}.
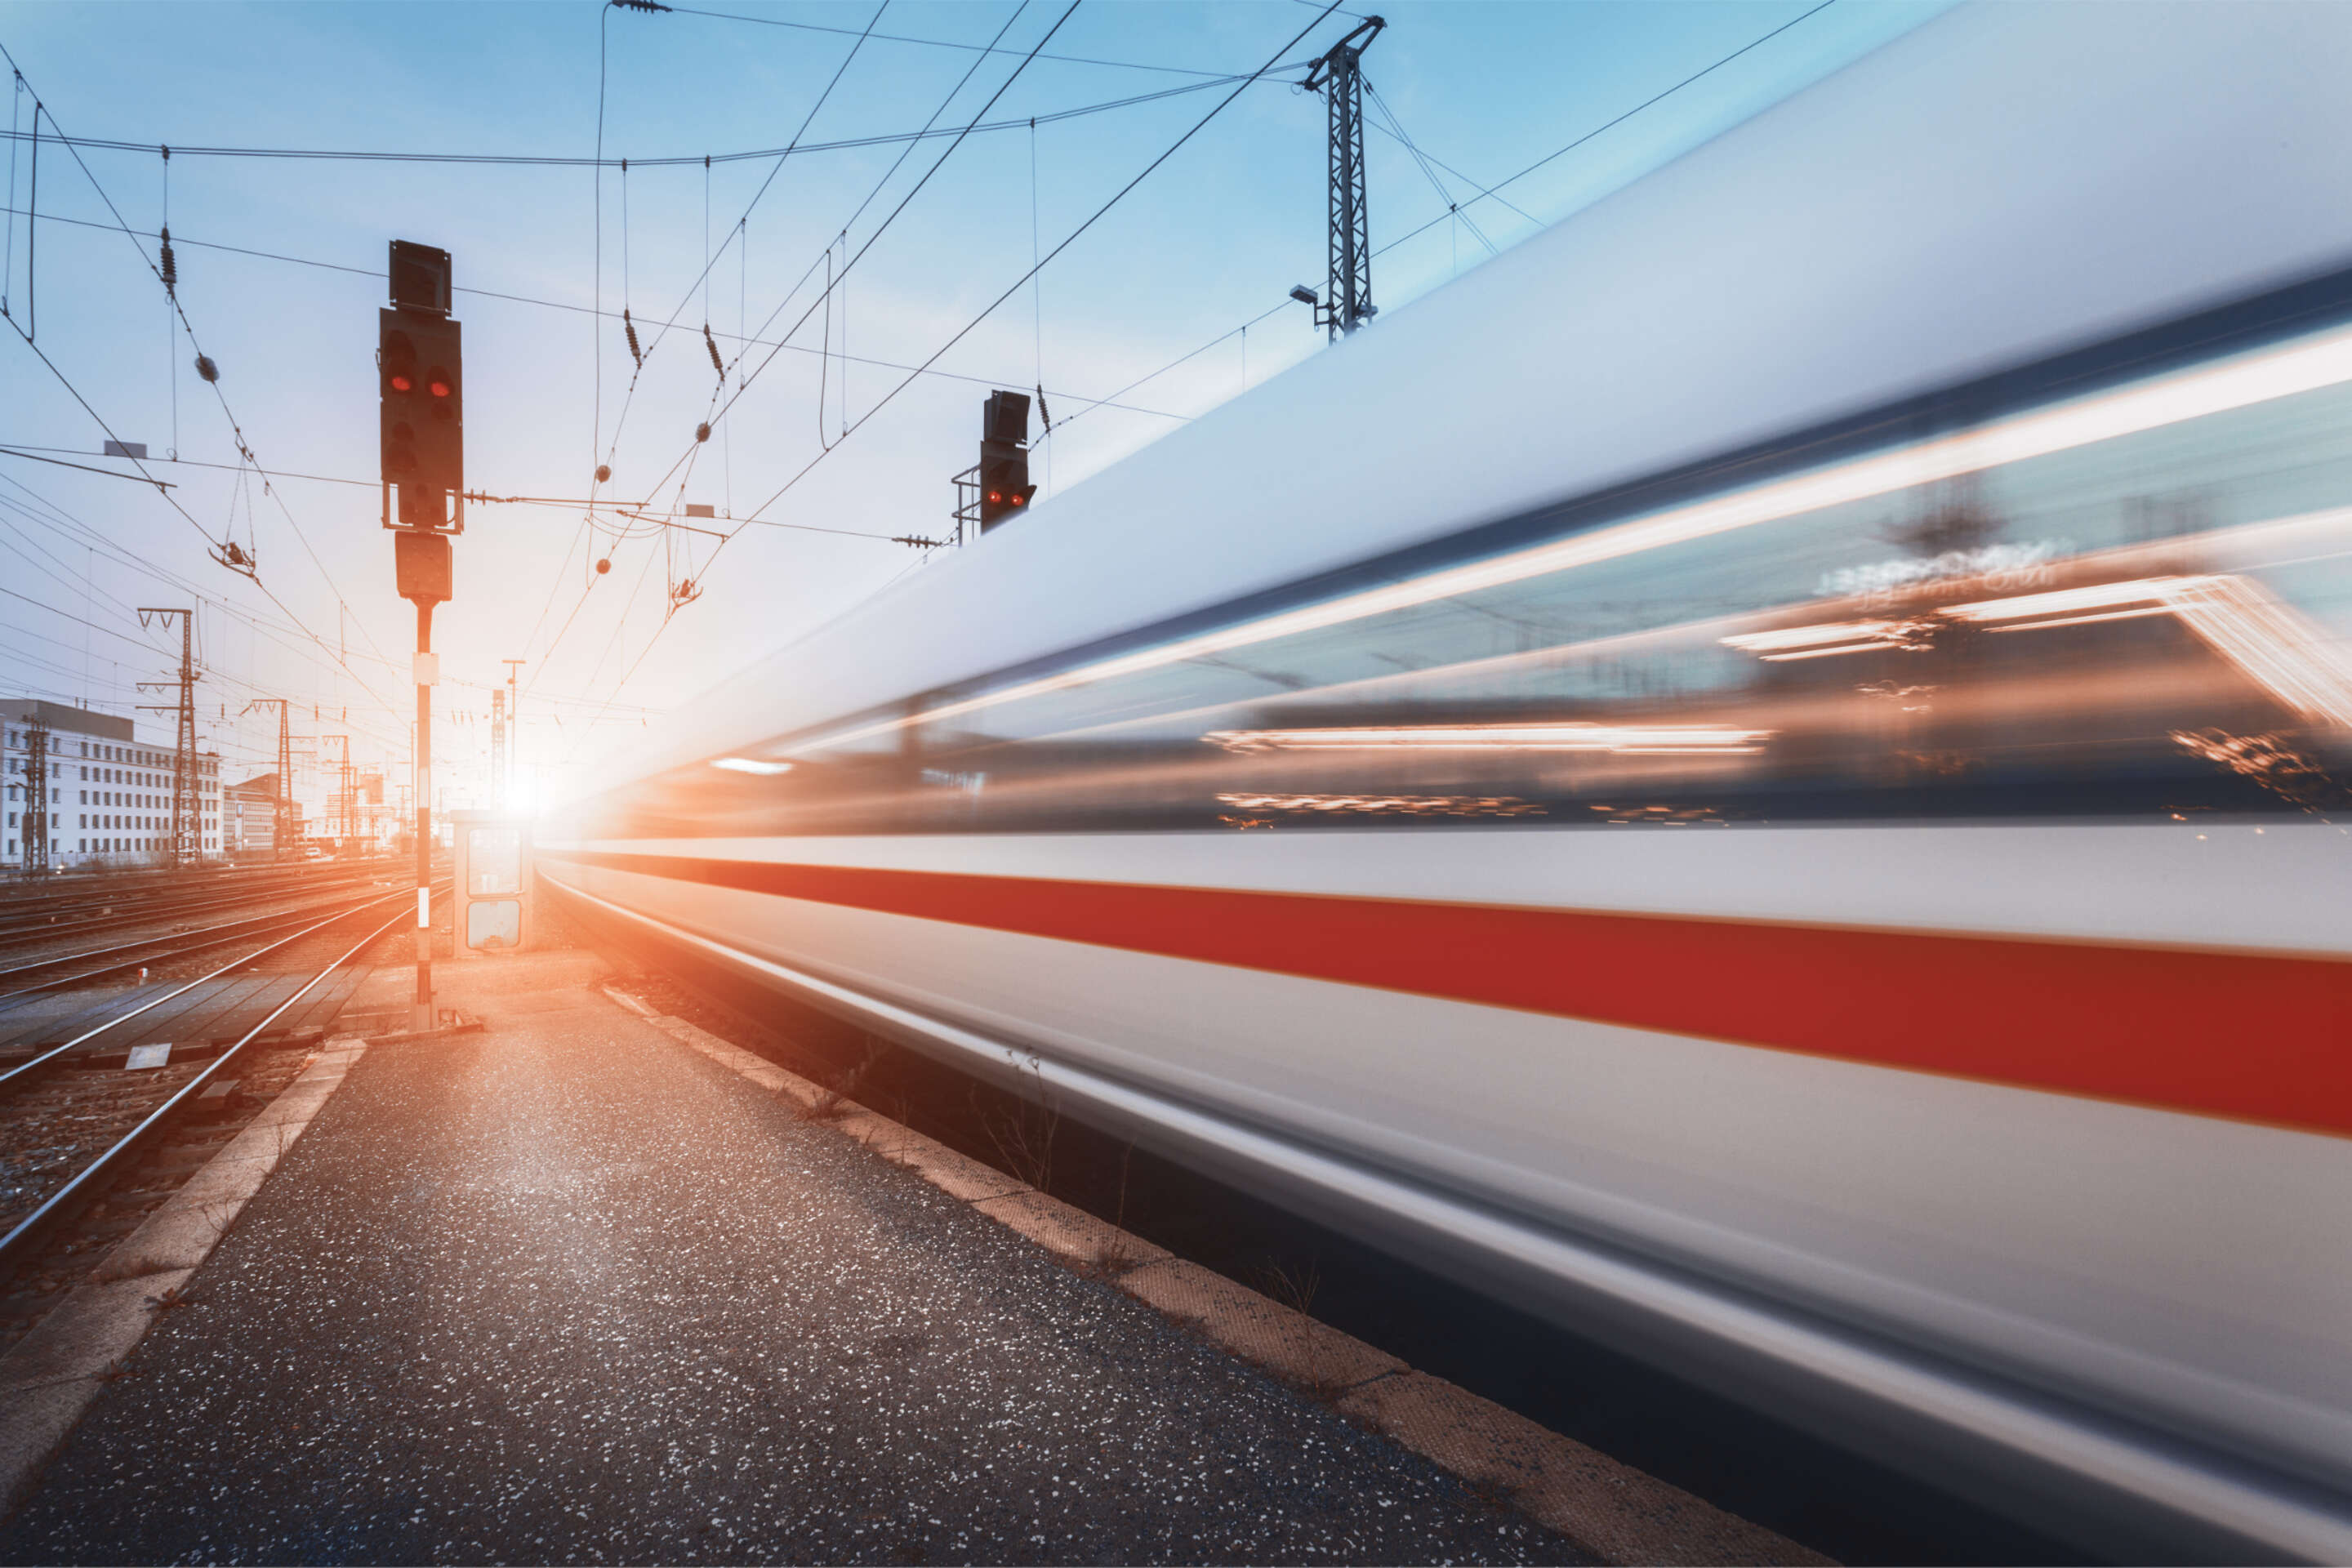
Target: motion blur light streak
{"points": [[1995, 1024], [1387, 805], [1859, 634], [752, 765], [2259, 377], [1661, 740], [2234, 616]]}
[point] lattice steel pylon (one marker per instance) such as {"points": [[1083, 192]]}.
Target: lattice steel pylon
{"points": [[282, 807], [1346, 302], [187, 833], [37, 772]]}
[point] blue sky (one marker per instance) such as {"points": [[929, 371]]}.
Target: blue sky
{"points": [[1210, 240]]}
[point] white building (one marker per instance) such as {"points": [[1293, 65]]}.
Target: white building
{"points": [[109, 793]]}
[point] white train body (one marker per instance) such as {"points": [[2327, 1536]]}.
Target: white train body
{"points": [[1764, 772]]}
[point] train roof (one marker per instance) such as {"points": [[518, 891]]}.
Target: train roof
{"points": [[2004, 182]]}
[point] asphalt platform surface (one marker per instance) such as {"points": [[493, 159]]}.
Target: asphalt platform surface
{"points": [[566, 1291]]}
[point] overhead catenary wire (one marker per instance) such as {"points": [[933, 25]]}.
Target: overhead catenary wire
{"points": [[1482, 193], [1421, 159], [969, 326], [683, 159], [702, 278], [988, 48], [376, 274], [743, 383], [226, 552], [701, 434], [611, 449], [1612, 124]]}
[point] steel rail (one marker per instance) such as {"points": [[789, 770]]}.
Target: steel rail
{"points": [[82, 921], [179, 943], [18, 1242], [16, 1077], [18, 896], [60, 901]]}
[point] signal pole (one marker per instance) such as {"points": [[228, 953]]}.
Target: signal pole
{"points": [[1338, 76], [421, 403], [514, 721], [497, 747], [186, 837]]}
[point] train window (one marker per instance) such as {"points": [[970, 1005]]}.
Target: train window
{"points": [[2138, 600]]}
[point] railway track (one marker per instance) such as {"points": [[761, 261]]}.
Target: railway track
{"points": [[156, 1105], [27, 921], [65, 893], [31, 977]]}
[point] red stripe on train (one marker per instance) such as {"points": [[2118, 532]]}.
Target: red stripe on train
{"points": [[2242, 1036]]}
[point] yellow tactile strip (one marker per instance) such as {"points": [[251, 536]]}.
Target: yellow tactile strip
{"points": [[1617, 1513]]}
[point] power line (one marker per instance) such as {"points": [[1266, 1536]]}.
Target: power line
{"points": [[83, 531], [1067, 242], [749, 342], [85, 468], [743, 383], [948, 43], [709, 261], [1424, 162], [226, 553], [1484, 191], [834, 281], [1619, 120], [694, 159]]}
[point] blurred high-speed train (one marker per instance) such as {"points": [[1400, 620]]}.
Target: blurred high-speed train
{"points": [[1770, 772]]}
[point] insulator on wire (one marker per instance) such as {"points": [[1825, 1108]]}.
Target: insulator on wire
{"points": [[604, 472], [206, 369], [171, 267], [712, 345], [630, 328], [702, 432]]}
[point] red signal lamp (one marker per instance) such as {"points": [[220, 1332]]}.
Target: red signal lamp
{"points": [[440, 389], [402, 384]]}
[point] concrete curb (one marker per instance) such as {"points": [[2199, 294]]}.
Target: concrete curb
{"points": [[51, 1377], [1615, 1512]]}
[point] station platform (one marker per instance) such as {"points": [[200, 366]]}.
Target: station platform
{"points": [[580, 1287]]}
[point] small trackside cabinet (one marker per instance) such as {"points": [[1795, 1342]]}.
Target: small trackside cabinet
{"points": [[494, 912]]}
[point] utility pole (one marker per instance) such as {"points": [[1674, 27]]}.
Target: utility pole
{"points": [[1346, 302], [514, 722], [419, 355], [281, 815], [339, 800], [497, 747], [37, 820], [187, 836]]}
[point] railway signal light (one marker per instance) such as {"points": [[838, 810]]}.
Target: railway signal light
{"points": [[1005, 487], [420, 363], [421, 401]]}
